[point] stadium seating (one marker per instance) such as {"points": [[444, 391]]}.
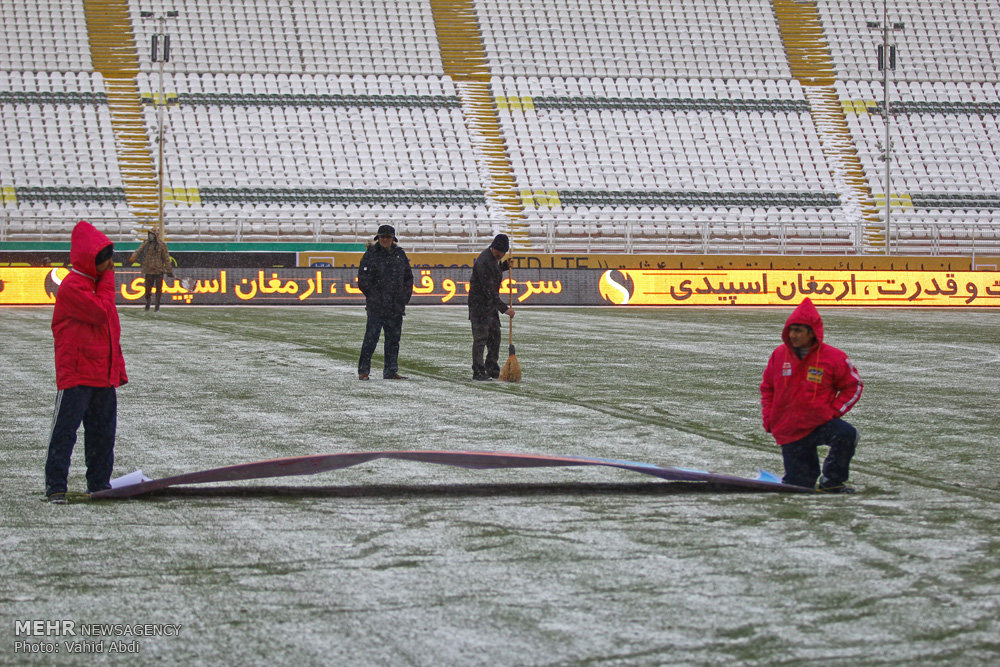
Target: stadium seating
{"points": [[644, 127]]}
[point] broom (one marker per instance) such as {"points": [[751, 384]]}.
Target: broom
{"points": [[511, 371]]}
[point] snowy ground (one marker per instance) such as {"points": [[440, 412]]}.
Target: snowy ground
{"points": [[406, 563]]}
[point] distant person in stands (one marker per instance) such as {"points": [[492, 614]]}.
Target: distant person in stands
{"points": [[807, 387], [89, 364], [154, 259], [485, 306], [386, 279]]}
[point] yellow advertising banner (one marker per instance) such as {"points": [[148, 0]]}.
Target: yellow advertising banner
{"points": [[774, 288], [562, 287]]}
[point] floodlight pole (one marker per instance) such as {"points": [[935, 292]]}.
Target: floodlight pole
{"points": [[159, 121], [886, 63], [888, 116], [160, 53]]}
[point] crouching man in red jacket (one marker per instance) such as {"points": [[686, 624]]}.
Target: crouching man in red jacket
{"points": [[807, 387], [89, 364]]}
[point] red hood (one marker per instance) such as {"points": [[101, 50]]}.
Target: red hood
{"points": [[807, 314], [85, 242]]}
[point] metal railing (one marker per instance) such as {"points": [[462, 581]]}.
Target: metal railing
{"points": [[633, 236]]}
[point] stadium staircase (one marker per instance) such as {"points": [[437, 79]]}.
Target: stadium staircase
{"points": [[464, 58], [113, 50], [812, 66]]}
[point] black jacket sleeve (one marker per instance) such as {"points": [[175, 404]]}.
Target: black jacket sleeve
{"points": [[368, 279], [407, 278]]}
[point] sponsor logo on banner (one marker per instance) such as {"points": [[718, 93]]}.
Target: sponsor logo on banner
{"points": [[53, 279], [616, 287]]}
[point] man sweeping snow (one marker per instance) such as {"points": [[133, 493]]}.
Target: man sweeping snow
{"points": [[485, 305]]}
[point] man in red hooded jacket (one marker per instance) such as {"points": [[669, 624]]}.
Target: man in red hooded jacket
{"points": [[89, 364], [807, 387]]}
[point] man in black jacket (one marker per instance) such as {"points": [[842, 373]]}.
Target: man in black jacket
{"points": [[386, 279], [485, 305]]}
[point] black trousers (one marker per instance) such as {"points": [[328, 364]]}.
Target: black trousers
{"points": [[486, 335], [97, 409], [154, 283], [802, 461], [392, 325]]}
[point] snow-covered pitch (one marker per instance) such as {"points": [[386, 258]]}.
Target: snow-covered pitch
{"points": [[397, 562]]}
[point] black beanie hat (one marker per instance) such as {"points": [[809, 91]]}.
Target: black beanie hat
{"points": [[105, 254], [501, 243], [386, 230]]}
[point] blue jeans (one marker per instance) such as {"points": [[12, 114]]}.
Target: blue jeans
{"points": [[97, 409], [393, 327], [802, 461]]}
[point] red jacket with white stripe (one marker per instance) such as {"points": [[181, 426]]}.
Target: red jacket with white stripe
{"points": [[85, 322], [799, 395]]}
